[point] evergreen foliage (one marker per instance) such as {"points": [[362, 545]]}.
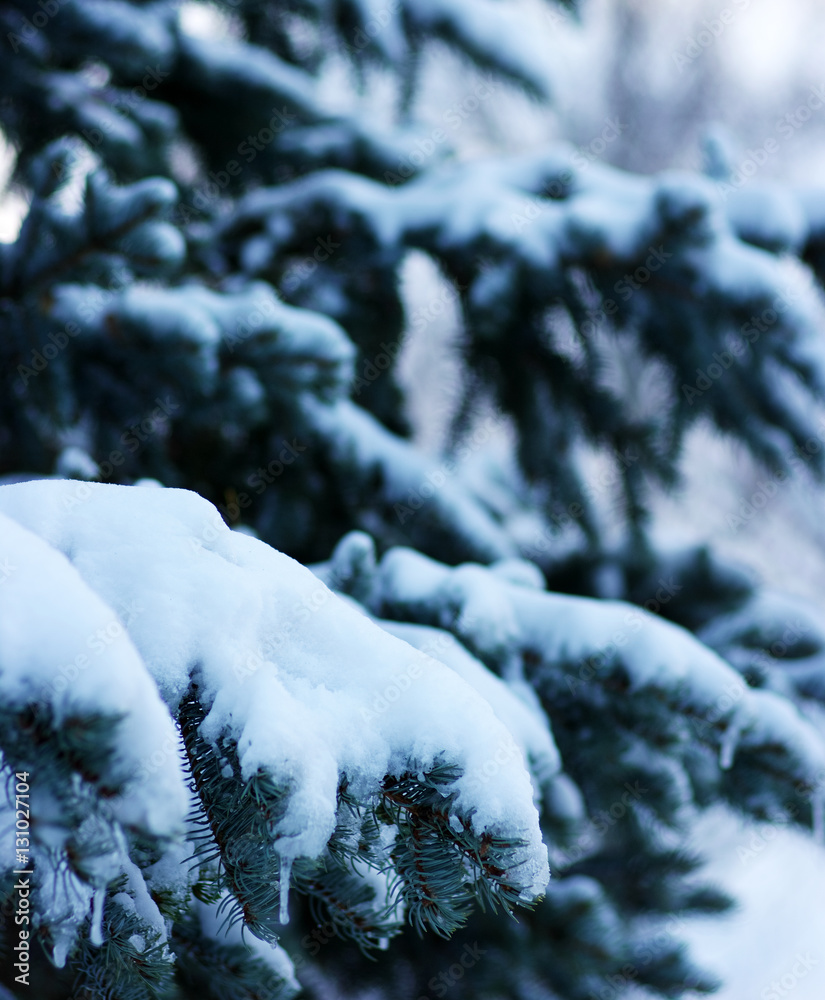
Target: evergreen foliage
{"points": [[206, 291]]}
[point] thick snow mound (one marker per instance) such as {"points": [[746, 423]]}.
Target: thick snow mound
{"points": [[311, 690], [63, 645]]}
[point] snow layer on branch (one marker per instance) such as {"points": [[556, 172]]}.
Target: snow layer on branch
{"points": [[62, 644], [409, 482], [532, 224], [544, 209], [485, 31], [523, 716], [250, 70], [132, 37], [779, 636], [389, 40], [489, 33], [655, 656], [768, 216], [288, 347], [288, 670]]}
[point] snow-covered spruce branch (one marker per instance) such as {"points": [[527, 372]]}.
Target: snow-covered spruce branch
{"points": [[661, 688], [147, 599], [521, 237]]}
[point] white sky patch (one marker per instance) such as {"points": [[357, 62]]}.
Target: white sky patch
{"points": [[429, 366], [13, 206], [763, 43], [208, 21]]}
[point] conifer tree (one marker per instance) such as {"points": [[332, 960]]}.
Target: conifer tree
{"points": [[426, 762]]}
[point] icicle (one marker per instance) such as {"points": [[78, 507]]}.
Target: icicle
{"points": [[283, 890], [818, 814], [727, 746], [96, 932], [62, 946]]}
